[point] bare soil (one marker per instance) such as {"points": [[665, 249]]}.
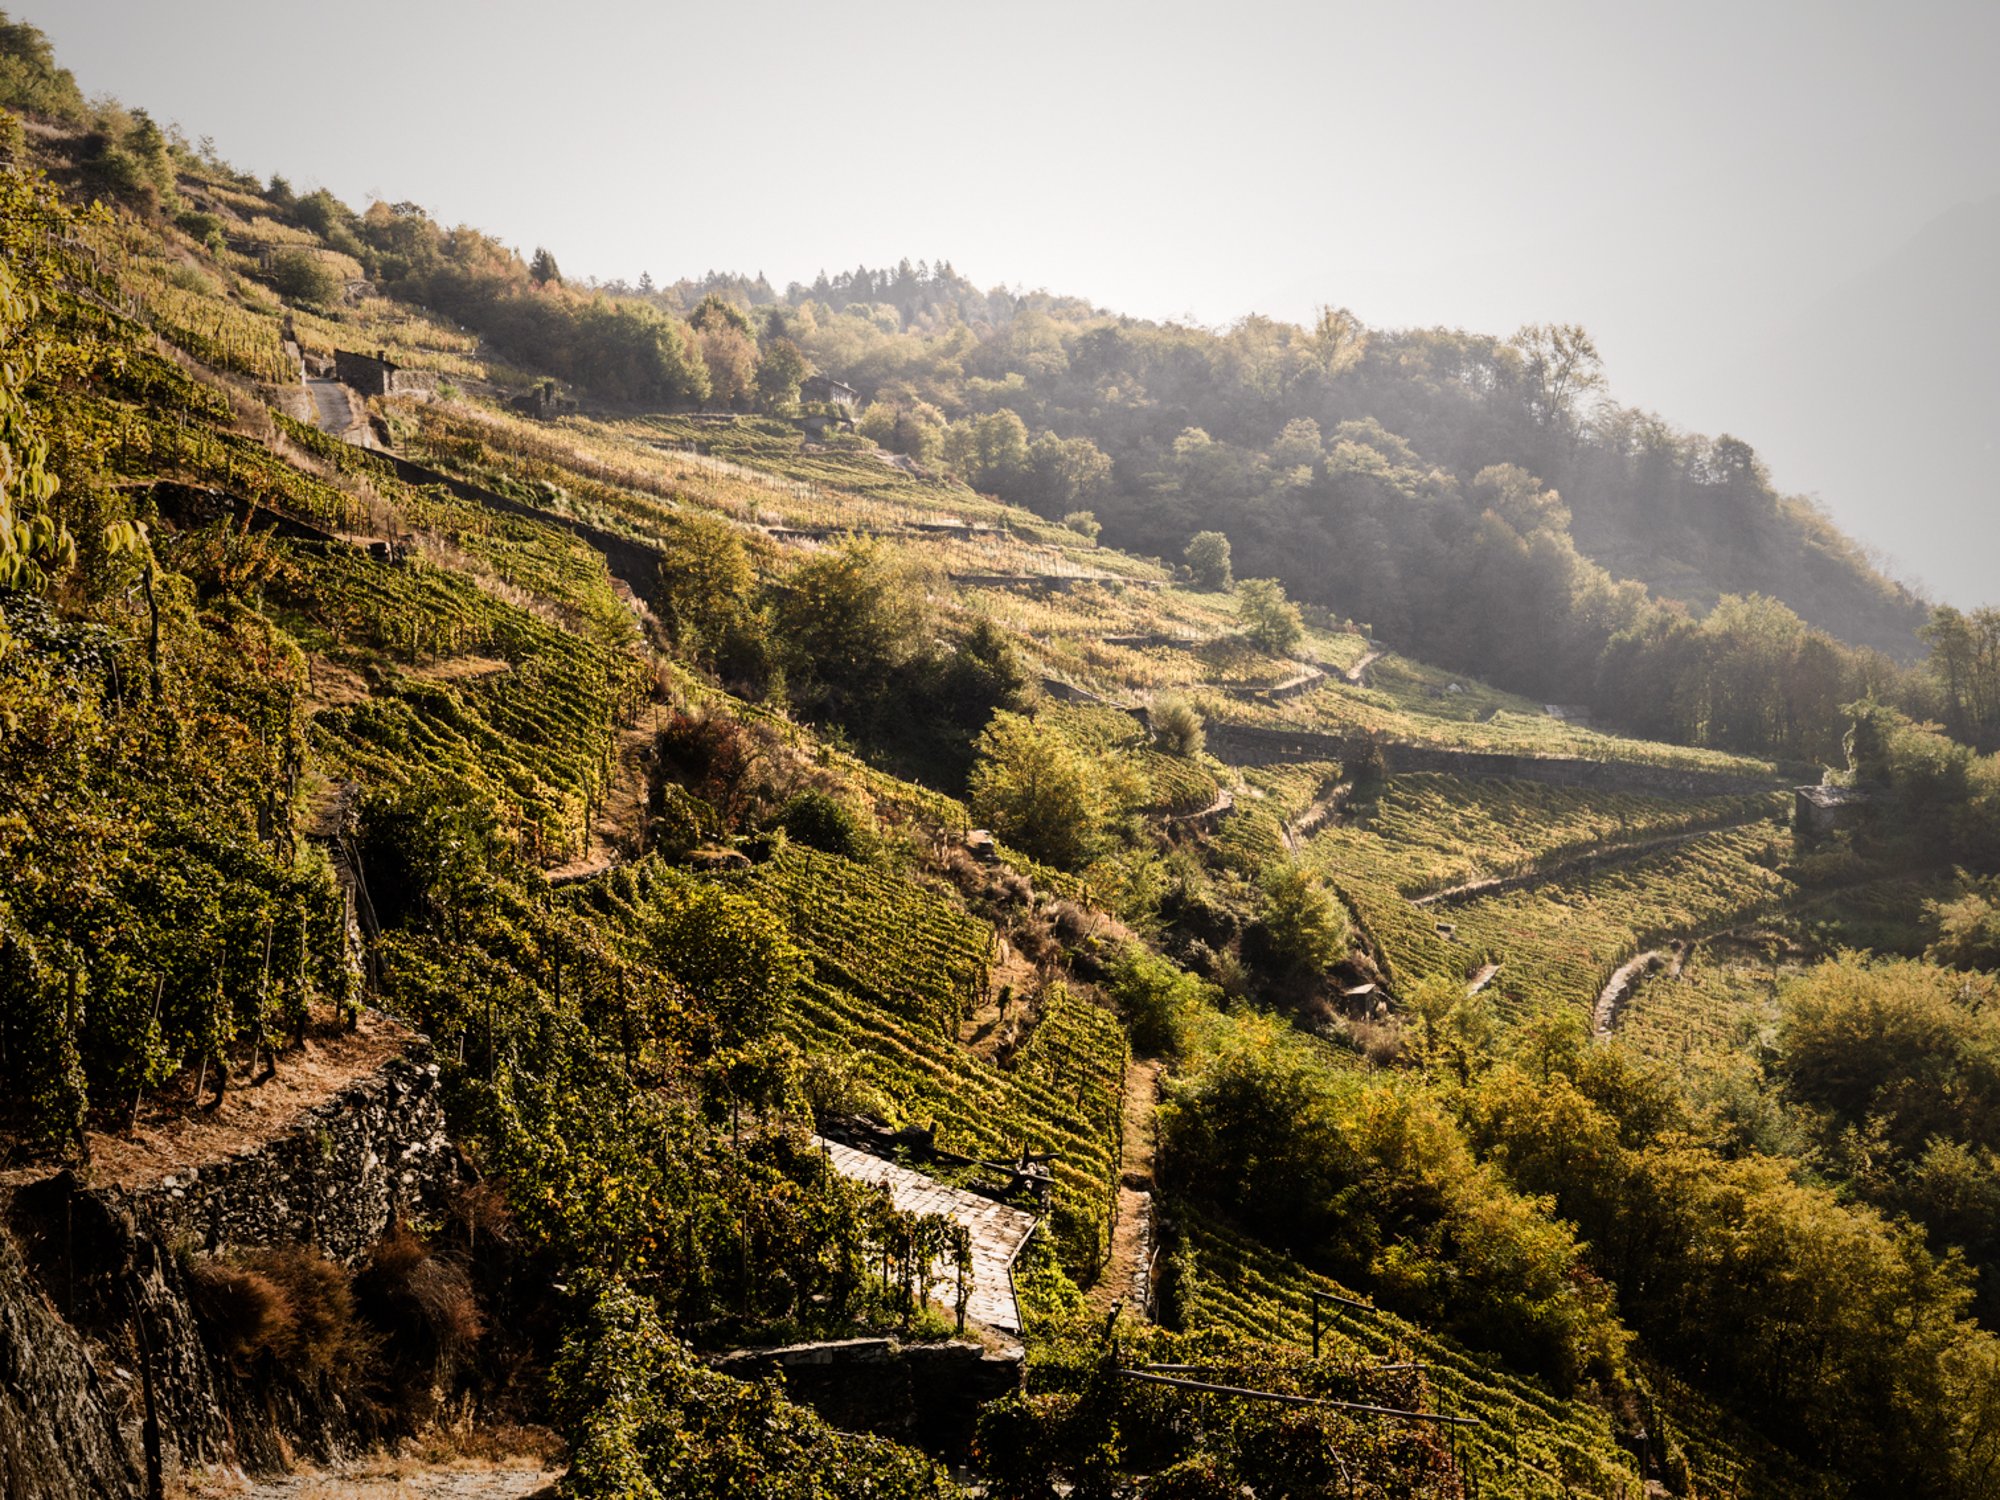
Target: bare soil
{"points": [[173, 1134]]}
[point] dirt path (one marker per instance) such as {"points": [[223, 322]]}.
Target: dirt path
{"points": [[1221, 807], [1357, 675], [993, 1026], [1618, 989], [1307, 823], [389, 1479], [1480, 980], [1128, 1268], [614, 832], [333, 408], [173, 1135]]}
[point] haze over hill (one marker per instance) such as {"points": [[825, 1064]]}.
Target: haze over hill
{"points": [[1882, 397], [885, 888], [1671, 180]]}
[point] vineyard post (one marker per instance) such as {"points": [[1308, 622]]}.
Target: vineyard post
{"points": [[139, 1093]]}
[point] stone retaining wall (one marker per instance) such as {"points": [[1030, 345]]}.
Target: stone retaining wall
{"points": [[107, 1269], [1250, 744]]}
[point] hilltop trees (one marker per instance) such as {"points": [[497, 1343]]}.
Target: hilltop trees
{"points": [[29, 77]]}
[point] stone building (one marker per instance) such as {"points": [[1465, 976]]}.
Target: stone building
{"points": [[1819, 811], [816, 388], [378, 375]]}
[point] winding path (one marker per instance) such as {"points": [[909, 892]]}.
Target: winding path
{"points": [[998, 1231]]}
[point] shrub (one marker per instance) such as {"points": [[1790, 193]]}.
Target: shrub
{"points": [[1208, 559], [1177, 726], [302, 276], [822, 821], [1155, 998], [1270, 620]]}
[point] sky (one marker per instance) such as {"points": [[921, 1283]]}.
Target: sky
{"points": [[1680, 178]]}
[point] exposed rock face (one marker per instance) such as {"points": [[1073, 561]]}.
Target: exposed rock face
{"points": [[100, 1277], [58, 1438]]}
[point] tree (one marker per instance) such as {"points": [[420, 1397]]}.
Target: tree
{"points": [[854, 616], [1302, 926], [1177, 726], [1034, 788], [731, 358], [779, 374], [1559, 368], [1270, 620], [542, 270], [705, 583], [303, 276], [1085, 524], [1066, 472], [1208, 559], [29, 77]]}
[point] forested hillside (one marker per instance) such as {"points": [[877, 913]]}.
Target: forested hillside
{"points": [[1380, 1074]]}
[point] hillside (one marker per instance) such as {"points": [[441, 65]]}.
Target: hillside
{"points": [[525, 815]]}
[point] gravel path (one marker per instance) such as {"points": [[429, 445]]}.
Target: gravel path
{"points": [[998, 1232], [385, 1480]]}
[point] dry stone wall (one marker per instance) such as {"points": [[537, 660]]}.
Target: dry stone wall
{"points": [[94, 1290]]}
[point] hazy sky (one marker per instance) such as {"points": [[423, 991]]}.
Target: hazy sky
{"points": [[1674, 176]]}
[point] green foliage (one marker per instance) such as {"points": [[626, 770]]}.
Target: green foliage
{"points": [[706, 588], [1176, 724], [645, 1420], [303, 276], [1156, 1000], [1301, 927], [1208, 559], [852, 617], [29, 77], [1744, 1264], [1270, 620], [1374, 1179], [1034, 788], [822, 821]]}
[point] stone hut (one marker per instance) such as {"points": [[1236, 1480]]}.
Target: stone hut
{"points": [[1820, 811], [544, 403], [378, 375], [824, 388]]}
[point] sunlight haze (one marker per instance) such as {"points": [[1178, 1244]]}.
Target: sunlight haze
{"points": [[1684, 181]]}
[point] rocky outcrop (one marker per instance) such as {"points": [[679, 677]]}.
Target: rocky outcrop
{"points": [[58, 1437], [99, 1290]]}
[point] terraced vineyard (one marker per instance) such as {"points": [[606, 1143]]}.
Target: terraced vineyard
{"points": [[1062, 1097], [1433, 831], [1558, 942], [1530, 1442], [879, 936], [541, 734]]}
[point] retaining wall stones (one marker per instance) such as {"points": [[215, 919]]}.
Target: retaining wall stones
{"points": [[925, 1394], [98, 1289]]}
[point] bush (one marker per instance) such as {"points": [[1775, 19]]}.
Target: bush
{"points": [[824, 822], [1208, 559], [1177, 726], [302, 276], [1155, 998]]}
